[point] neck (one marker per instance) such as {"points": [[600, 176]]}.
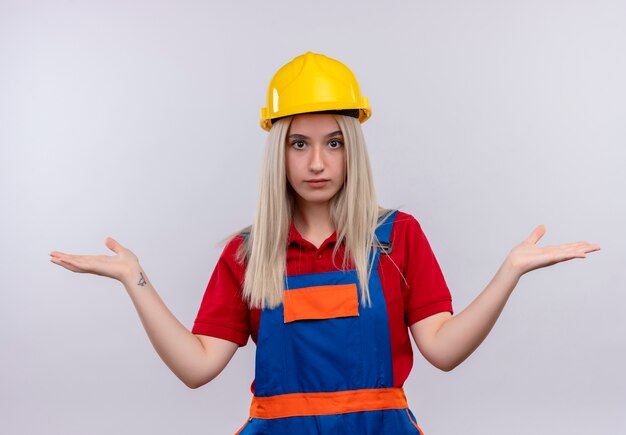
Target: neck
{"points": [[313, 220]]}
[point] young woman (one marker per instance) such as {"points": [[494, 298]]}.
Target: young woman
{"points": [[326, 282]]}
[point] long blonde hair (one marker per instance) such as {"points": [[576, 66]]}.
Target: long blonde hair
{"points": [[354, 213]]}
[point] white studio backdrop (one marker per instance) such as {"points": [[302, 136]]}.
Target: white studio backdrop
{"points": [[139, 120]]}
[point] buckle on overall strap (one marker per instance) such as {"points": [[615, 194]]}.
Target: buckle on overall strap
{"points": [[327, 403], [383, 247]]}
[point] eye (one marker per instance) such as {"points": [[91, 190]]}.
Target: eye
{"points": [[298, 144], [335, 144]]}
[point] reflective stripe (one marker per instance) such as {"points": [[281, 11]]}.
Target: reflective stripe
{"points": [[413, 422], [243, 427], [327, 403], [321, 302]]}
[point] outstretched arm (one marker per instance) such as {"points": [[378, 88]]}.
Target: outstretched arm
{"points": [[194, 359], [446, 341]]}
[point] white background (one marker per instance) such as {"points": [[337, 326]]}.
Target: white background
{"points": [[139, 120]]}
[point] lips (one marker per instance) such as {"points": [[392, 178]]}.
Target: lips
{"points": [[318, 182]]}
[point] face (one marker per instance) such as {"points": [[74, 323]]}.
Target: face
{"points": [[315, 157]]}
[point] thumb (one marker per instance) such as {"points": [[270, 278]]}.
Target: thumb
{"points": [[112, 244], [537, 234]]}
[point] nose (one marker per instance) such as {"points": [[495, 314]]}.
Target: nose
{"points": [[317, 161]]}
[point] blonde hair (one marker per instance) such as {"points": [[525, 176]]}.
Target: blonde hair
{"points": [[354, 213]]}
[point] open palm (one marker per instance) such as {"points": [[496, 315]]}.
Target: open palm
{"points": [[117, 266], [528, 256]]}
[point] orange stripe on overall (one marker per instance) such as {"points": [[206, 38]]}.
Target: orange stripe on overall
{"points": [[340, 402]]}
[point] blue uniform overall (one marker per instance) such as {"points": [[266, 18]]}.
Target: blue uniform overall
{"points": [[323, 361]]}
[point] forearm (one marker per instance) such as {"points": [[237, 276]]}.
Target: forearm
{"points": [[460, 335], [179, 349]]}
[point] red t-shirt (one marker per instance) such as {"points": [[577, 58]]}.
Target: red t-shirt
{"points": [[223, 314]]}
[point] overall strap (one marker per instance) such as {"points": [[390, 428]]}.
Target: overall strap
{"points": [[245, 234], [383, 232]]}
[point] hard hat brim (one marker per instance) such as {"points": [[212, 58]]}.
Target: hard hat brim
{"points": [[361, 114]]}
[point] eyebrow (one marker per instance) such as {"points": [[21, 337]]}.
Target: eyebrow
{"points": [[301, 136]]}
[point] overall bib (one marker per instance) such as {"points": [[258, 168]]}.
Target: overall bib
{"points": [[323, 361]]}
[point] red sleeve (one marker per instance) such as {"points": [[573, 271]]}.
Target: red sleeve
{"points": [[222, 313], [425, 291]]}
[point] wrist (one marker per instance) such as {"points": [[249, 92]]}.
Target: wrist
{"points": [[134, 276], [511, 269]]}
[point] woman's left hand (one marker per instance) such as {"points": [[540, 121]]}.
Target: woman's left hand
{"points": [[528, 256]]}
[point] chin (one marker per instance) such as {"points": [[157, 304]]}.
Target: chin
{"points": [[319, 198]]}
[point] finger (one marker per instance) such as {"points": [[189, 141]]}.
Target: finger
{"points": [[586, 248], [113, 245], [574, 252], [575, 245], [592, 248], [64, 256], [56, 260], [581, 247], [80, 262], [536, 234], [574, 255], [68, 257], [65, 264]]}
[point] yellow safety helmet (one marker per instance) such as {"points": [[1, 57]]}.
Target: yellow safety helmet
{"points": [[313, 83]]}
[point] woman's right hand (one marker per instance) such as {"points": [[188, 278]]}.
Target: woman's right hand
{"points": [[196, 360], [118, 266]]}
